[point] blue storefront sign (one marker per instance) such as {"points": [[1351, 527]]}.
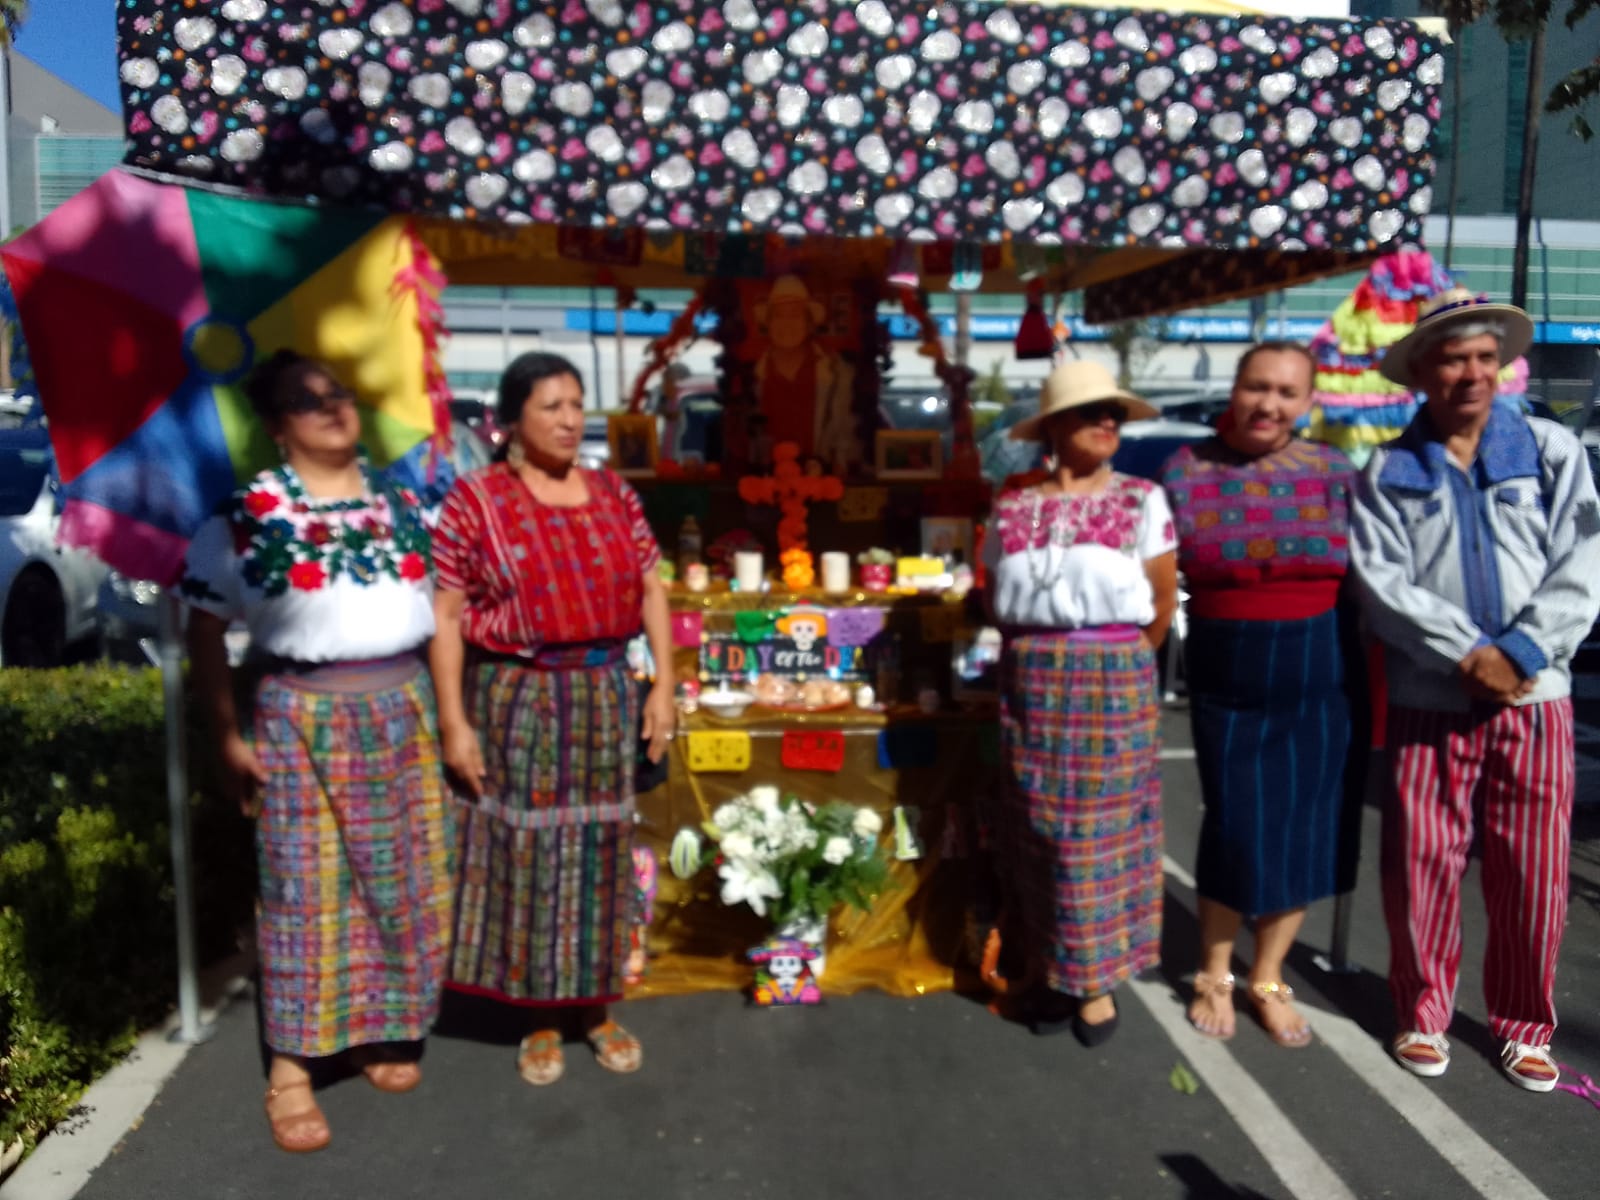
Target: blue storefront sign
{"points": [[993, 327]]}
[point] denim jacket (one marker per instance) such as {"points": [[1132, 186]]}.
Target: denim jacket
{"points": [[1506, 553]]}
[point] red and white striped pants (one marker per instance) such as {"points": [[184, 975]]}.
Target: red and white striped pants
{"points": [[1519, 764]]}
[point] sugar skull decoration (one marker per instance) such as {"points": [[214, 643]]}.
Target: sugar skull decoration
{"points": [[805, 626], [783, 973]]}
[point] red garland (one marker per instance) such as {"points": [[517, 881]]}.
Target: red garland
{"points": [[663, 350]]}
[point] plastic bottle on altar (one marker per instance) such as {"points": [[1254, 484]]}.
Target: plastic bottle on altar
{"points": [[690, 545]]}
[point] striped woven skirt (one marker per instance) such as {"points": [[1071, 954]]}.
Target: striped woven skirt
{"points": [[1270, 705], [545, 890], [353, 843], [1079, 831]]}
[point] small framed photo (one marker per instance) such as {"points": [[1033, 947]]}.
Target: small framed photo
{"points": [[632, 438], [949, 538], [909, 454]]}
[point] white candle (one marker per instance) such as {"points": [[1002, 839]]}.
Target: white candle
{"points": [[835, 572], [747, 570]]}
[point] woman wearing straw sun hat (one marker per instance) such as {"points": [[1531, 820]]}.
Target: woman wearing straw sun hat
{"points": [[1083, 582]]}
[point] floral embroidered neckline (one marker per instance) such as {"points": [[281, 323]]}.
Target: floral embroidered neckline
{"points": [[288, 539]]}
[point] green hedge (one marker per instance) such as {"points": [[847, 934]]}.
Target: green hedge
{"points": [[87, 950]]}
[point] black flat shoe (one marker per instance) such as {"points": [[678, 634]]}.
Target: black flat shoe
{"points": [[1097, 1034], [1046, 1013]]}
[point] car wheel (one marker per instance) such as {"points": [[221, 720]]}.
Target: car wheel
{"points": [[34, 631]]}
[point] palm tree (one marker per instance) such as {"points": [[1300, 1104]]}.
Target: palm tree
{"points": [[12, 15], [1458, 14], [1520, 19]]}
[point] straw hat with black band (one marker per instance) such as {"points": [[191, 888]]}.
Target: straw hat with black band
{"points": [[1454, 313], [1076, 385]]}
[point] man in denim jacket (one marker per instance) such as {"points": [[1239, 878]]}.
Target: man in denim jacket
{"points": [[1475, 542]]}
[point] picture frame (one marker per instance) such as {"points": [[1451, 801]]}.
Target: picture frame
{"points": [[908, 454], [632, 440], [949, 538]]}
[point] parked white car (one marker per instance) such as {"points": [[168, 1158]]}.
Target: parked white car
{"points": [[47, 592]]}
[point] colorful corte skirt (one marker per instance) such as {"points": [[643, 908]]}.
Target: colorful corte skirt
{"points": [[545, 888], [1078, 835], [1270, 703], [353, 843]]}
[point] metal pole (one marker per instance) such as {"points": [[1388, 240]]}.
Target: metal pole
{"points": [[963, 339], [594, 344], [6, 223], [622, 347], [1337, 960], [190, 1029]]}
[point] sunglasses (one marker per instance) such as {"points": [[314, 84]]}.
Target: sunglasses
{"points": [[1096, 413], [308, 401]]}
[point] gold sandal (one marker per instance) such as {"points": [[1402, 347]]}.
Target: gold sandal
{"points": [[615, 1048], [310, 1122], [539, 1058], [1208, 987], [1262, 997]]}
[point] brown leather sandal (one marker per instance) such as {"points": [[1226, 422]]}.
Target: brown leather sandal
{"points": [[393, 1077], [300, 1132]]}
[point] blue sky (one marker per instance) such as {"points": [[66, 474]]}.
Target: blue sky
{"points": [[76, 40]]}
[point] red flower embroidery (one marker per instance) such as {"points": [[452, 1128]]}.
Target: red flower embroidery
{"points": [[412, 567], [318, 533], [259, 504], [308, 576]]}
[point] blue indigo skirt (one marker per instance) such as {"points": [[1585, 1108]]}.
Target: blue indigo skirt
{"points": [[1270, 704]]}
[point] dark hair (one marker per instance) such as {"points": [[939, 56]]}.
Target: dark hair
{"points": [[264, 385], [1276, 347], [526, 372]]}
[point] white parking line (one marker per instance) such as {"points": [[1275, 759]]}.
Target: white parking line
{"points": [[1452, 1138], [1293, 1159], [1288, 1153]]}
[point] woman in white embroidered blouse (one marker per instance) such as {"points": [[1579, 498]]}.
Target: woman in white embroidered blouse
{"points": [[337, 756], [1083, 581]]}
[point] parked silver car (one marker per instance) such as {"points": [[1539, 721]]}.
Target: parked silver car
{"points": [[47, 592]]}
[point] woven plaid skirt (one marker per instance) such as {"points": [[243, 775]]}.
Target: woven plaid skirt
{"points": [[353, 843], [1078, 834], [545, 891]]}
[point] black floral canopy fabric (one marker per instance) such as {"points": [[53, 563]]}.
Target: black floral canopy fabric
{"points": [[927, 121]]}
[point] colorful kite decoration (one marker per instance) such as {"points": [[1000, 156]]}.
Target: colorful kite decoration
{"points": [[1354, 408], [145, 305]]}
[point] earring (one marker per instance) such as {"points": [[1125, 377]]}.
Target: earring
{"points": [[516, 456]]}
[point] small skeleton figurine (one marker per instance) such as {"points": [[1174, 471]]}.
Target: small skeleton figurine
{"points": [[783, 973]]}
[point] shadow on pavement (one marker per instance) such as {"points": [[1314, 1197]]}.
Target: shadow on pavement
{"points": [[1203, 1183]]}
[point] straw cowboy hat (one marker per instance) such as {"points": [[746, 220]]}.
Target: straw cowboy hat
{"points": [[1073, 385], [790, 288], [1454, 308]]}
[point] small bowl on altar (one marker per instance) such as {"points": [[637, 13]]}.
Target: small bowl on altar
{"points": [[726, 704]]}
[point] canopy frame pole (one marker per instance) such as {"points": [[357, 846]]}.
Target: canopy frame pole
{"points": [[1337, 960], [191, 1029]]}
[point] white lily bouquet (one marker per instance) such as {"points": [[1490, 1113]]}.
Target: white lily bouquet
{"points": [[787, 857]]}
